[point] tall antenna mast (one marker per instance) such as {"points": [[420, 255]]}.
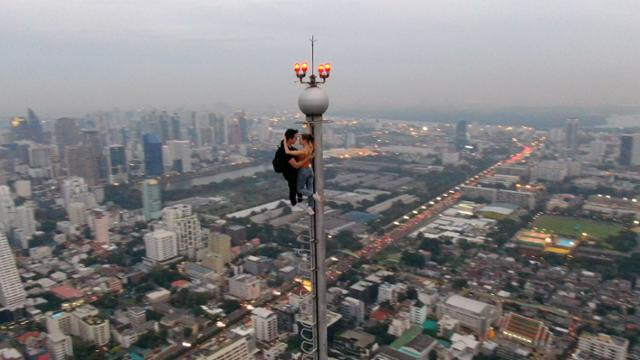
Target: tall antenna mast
{"points": [[313, 102], [313, 40]]}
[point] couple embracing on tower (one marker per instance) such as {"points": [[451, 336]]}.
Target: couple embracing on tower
{"points": [[295, 166]]}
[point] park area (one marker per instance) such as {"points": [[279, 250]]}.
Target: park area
{"points": [[574, 227]]}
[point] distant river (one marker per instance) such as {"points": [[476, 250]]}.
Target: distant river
{"points": [[216, 178]]}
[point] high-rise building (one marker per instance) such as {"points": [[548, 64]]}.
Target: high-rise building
{"points": [[387, 292], [161, 245], [151, 200], [12, 294], [83, 162], [117, 164], [77, 213], [167, 160], [219, 129], [137, 317], [234, 133], [35, 132], [95, 144], [352, 311], [165, 126], [244, 286], [286, 314], [19, 128], [25, 220], [7, 209], [125, 136], [23, 188], [59, 322], [461, 135], [602, 346], [152, 146], [265, 324], [181, 220], [214, 261], [630, 149], [75, 189], [59, 346], [194, 130], [571, 136], [418, 312], [175, 131], [243, 125], [67, 133], [597, 151], [89, 326], [40, 156], [220, 244], [180, 155], [92, 137], [101, 226], [20, 151], [27, 129]]}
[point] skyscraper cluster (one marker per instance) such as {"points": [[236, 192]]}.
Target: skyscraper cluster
{"points": [[115, 147]]}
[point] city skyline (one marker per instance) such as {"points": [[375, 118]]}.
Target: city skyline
{"points": [[473, 193], [122, 235]]}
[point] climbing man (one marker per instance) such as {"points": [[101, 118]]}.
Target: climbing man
{"points": [[291, 166]]}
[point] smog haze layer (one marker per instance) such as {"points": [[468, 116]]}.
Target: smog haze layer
{"points": [[75, 56]]}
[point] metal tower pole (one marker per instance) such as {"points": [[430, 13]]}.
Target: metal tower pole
{"points": [[319, 289], [313, 102]]}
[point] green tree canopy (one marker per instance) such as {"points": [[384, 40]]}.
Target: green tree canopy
{"points": [[413, 259]]}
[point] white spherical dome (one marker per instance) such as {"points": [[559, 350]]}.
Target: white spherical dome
{"points": [[313, 101]]}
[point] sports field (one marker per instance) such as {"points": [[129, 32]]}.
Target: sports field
{"points": [[575, 227]]}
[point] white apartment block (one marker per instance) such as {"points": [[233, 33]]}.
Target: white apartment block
{"points": [[181, 220], [603, 346], [418, 313], [244, 286], [59, 346], [474, 315], [387, 292], [161, 245], [86, 324], [235, 349], [265, 324]]}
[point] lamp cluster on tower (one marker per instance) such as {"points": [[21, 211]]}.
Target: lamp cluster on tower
{"points": [[324, 70]]}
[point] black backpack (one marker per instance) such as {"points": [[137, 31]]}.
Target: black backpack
{"points": [[279, 160]]}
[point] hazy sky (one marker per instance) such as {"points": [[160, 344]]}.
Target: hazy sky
{"points": [[71, 56]]}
